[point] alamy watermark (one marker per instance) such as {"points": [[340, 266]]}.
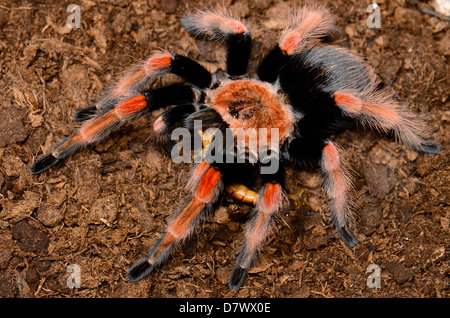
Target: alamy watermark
{"points": [[74, 20], [74, 279], [374, 16], [240, 145], [374, 279]]}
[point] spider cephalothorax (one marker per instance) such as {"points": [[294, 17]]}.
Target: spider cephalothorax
{"points": [[304, 93], [250, 104]]}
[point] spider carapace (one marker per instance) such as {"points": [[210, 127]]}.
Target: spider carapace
{"points": [[306, 88]]}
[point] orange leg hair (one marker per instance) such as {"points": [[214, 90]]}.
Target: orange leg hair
{"points": [[216, 24], [306, 26], [268, 203], [92, 131], [119, 105], [156, 65], [384, 114], [337, 184], [95, 129]]}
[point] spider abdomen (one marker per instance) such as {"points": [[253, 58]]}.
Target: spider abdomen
{"points": [[311, 78], [322, 71]]}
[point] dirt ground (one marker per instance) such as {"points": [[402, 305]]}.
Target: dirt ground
{"points": [[105, 206]]}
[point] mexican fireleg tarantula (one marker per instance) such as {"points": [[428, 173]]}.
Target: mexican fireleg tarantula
{"points": [[306, 88]]}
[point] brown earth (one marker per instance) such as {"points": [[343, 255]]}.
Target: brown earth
{"points": [[105, 206]]}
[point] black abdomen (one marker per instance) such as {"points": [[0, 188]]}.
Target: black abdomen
{"points": [[310, 79]]}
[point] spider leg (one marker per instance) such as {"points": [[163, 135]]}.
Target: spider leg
{"points": [[308, 152], [169, 120], [269, 202], [85, 113], [383, 113], [205, 185], [173, 117], [139, 78], [308, 25], [122, 105], [270, 66], [221, 25], [97, 128], [337, 184]]}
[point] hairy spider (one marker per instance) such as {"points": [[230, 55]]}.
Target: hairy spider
{"points": [[306, 88]]}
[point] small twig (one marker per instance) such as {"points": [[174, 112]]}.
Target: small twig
{"points": [[41, 283], [18, 8], [436, 14], [319, 293]]}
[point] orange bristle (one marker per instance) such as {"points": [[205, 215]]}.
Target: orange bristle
{"points": [[125, 85], [131, 106], [158, 62], [95, 127], [348, 103], [180, 228], [76, 139], [271, 197], [208, 185]]}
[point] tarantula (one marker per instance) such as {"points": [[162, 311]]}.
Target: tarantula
{"points": [[306, 89]]}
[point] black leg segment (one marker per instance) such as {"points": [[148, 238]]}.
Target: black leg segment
{"points": [[175, 94], [271, 65], [239, 47], [191, 71]]}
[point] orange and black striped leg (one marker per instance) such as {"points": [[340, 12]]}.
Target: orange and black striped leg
{"points": [[205, 185], [306, 26], [157, 65], [384, 114], [141, 77], [175, 94], [268, 204], [337, 184], [136, 80], [220, 25], [95, 129], [92, 131]]}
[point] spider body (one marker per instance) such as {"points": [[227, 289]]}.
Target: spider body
{"points": [[246, 104], [305, 92]]}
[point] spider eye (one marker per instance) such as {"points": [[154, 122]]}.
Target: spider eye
{"points": [[234, 113]]}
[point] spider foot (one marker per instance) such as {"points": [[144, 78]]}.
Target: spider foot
{"points": [[43, 163], [237, 277], [430, 146], [347, 236], [139, 270], [85, 113]]}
